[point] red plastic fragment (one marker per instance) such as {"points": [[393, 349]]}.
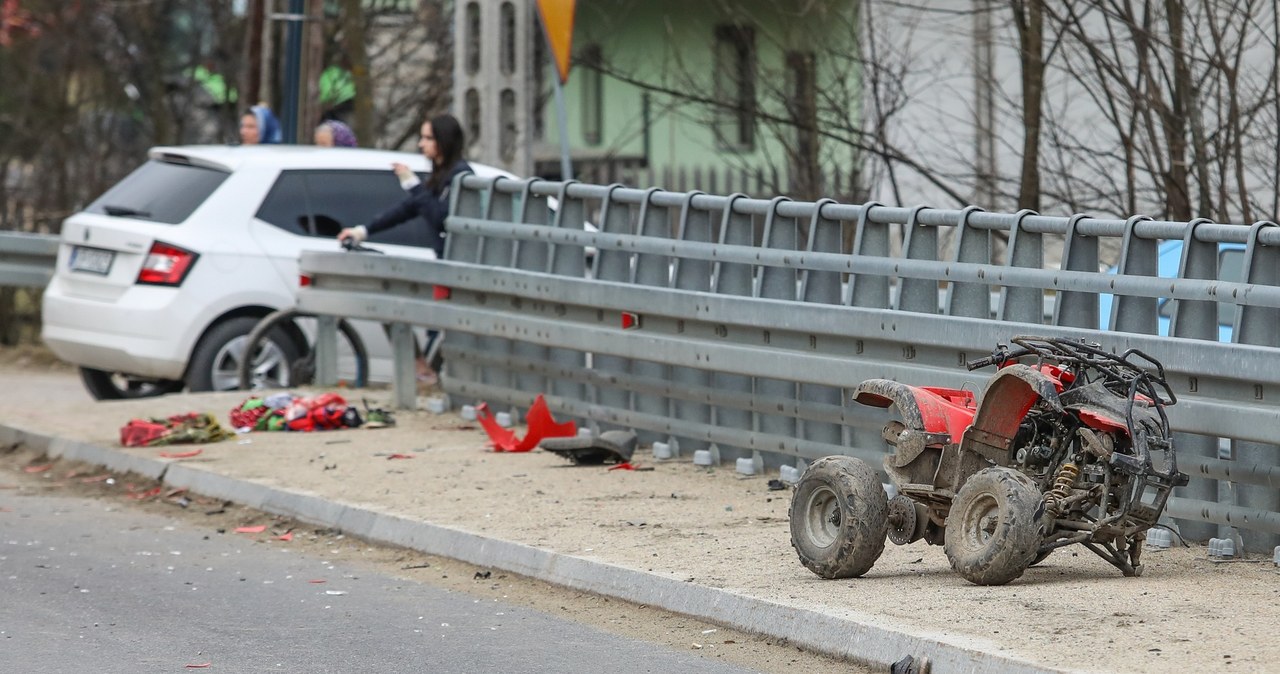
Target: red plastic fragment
{"points": [[96, 478], [623, 466], [400, 456], [287, 536], [181, 455], [251, 530], [541, 425], [37, 469], [154, 491], [318, 581], [203, 665]]}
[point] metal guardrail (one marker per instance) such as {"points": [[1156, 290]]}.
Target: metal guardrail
{"points": [[739, 325], [27, 260]]}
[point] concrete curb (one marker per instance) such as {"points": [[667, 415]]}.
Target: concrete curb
{"points": [[861, 638]]}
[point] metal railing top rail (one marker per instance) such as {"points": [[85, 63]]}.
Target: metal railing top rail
{"points": [[854, 263], [1143, 227], [27, 260]]}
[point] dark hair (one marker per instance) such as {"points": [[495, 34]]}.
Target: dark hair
{"points": [[450, 142]]}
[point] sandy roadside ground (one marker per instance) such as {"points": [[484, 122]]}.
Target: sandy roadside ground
{"points": [[717, 528]]}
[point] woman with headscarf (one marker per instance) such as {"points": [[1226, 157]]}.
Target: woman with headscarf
{"points": [[258, 126], [332, 133]]}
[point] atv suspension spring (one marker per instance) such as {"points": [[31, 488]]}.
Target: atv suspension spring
{"points": [[1062, 484]]}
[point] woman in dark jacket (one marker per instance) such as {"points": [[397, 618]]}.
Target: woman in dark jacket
{"points": [[441, 143]]}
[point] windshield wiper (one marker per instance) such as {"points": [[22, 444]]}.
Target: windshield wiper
{"points": [[125, 211]]}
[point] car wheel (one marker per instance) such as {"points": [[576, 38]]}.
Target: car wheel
{"points": [[839, 517], [215, 363], [103, 385], [993, 529]]}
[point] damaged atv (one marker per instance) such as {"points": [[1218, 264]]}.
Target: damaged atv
{"points": [[1062, 448]]}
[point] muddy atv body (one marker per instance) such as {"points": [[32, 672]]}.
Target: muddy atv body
{"points": [[1068, 444]]}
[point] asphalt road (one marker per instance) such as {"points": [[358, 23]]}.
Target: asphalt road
{"points": [[88, 586]]}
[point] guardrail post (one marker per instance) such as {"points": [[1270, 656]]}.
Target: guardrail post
{"points": [[920, 243], [872, 238], [654, 271], [612, 265], [1138, 256], [530, 256], [777, 283], [727, 278], [1198, 320], [1080, 253], [406, 373], [1026, 249], [326, 350], [973, 245], [1259, 325], [497, 253], [566, 260], [459, 347], [692, 275], [822, 287]]}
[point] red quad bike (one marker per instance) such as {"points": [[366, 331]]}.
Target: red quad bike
{"points": [[1057, 451]]}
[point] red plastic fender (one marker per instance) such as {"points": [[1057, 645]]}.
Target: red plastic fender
{"points": [[928, 408]]}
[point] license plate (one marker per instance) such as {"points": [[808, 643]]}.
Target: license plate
{"points": [[92, 260]]}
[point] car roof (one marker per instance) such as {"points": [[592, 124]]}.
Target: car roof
{"points": [[234, 157]]}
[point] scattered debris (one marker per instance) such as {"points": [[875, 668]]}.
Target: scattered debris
{"points": [[181, 455], [424, 565], [777, 485], [400, 456], [251, 530], [37, 469], [608, 447], [203, 665], [286, 536], [482, 575], [335, 592], [540, 425]]}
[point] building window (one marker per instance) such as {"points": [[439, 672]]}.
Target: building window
{"points": [[735, 87], [542, 89], [507, 43], [592, 61], [473, 38], [508, 134], [802, 105], [471, 113]]}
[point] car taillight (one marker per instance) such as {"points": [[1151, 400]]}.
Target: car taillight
{"points": [[166, 265]]}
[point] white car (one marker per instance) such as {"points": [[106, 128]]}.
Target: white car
{"points": [[159, 281]]}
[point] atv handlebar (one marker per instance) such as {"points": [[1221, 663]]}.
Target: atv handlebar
{"points": [[353, 245], [998, 357]]}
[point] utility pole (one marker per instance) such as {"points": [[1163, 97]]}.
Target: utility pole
{"points": [[984, 105], [292, 68]]}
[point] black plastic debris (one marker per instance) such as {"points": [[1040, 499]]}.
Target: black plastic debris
{"points": [[777, 485], [910, 665], [608, 447]]}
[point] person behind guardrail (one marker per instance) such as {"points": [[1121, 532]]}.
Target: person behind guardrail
{"points": [[332, 133], [441, 142], [258, 126]]}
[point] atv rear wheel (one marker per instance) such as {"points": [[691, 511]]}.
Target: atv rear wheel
{"points": [[839, 517], [993, 530]]}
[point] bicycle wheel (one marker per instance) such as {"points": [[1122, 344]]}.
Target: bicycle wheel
{"points": [[303, 369]]}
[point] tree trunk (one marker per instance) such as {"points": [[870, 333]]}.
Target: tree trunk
{"points": [[353, 27], [1030, 16]]}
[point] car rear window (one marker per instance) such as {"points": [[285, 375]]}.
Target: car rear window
{"points": [[160, 191]]}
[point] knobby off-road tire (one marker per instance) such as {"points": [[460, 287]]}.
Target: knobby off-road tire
{"points": [[994, 529], [839, 517]]}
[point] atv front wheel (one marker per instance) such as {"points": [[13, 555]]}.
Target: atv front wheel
{"points": [[839, 517], [993, 531]]}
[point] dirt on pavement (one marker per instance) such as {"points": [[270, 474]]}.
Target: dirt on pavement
{"points": [[720, 529]]}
